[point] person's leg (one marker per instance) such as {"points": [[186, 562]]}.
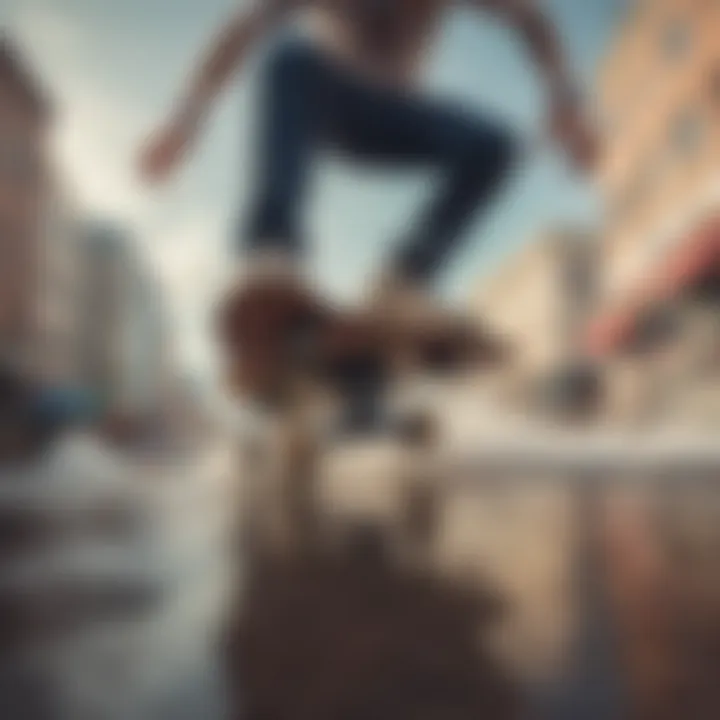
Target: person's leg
{"points": [[475, 166], [269, 299], [473, 153], [292, 113]]}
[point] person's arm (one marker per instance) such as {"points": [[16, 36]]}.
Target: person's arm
{"points": [[218, 65], [226, 53], [568, 121]]}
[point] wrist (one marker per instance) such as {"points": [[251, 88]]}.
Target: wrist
{"points": [[190, 115], [564, 94]]}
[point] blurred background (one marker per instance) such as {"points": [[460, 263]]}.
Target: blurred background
{"points": [[121, 493]]}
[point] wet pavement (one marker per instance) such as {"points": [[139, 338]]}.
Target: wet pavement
{"points": [[114, 588]]}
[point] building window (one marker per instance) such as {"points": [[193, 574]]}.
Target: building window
{"points": [[686, 134], [675, 40], [18, 163], [714, 88], [638, 189]]}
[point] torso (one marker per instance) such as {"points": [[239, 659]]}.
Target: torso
{"points": [[383, 39]]}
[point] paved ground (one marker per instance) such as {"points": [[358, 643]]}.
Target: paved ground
{"points": [[147, 652], [119, 604]]}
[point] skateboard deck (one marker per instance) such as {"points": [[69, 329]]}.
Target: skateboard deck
{"points": [[273, 335]]}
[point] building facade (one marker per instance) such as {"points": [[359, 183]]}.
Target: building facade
{"points": [[124, 339], [659, 98], [24, 124], [60, 308], [147, 343], [540, 300]]}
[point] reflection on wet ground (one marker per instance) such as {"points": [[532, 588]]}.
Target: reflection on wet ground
{"points": [[532, 597]]}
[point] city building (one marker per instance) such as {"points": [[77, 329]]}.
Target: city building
{"points": [[59, 302], [659, 100], [124, 341], [147, 343], [541, 301], [24, 123], [104, 251]]}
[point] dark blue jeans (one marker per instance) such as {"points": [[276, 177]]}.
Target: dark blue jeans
{"points": [[310, 102]]}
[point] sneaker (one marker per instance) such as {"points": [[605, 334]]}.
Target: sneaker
{"points": [[268, 296], [407, 305], [269, 268]]}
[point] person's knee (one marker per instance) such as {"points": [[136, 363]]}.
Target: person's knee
{"points": [[489, 152], [504, 148], [292, 62]]}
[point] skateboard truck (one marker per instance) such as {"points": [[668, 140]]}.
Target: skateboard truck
{"points": [[281, 339]]}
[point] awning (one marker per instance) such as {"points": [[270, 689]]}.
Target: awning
{"points": [[690, 262], [610, 331]]}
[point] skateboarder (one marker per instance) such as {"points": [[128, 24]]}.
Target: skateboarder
{"points": [[345, 78]]}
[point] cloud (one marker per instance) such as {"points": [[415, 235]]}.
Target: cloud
{"points": [[96, 129]]}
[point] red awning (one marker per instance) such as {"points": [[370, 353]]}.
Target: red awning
{"points": [[610, 331], [693, 260]]}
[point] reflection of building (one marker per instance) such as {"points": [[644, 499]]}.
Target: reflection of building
{"points": [[24, 117], [660, 99], [125, 337], [541, 300]]}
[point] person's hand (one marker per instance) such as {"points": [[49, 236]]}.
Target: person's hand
{"points": [[164, 150], [571, 128]]}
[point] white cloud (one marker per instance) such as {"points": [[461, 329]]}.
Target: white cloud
{"points": [[96, 130]]}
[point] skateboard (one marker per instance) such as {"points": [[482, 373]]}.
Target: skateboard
{"points": [[278, 338]]}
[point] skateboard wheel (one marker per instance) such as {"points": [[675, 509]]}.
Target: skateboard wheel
{"points": [[303, 342], [417, 429]]}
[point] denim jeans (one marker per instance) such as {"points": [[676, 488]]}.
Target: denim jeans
{"points": [[311, 102]]}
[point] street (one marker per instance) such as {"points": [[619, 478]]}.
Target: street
{"points": [[119, 618]]}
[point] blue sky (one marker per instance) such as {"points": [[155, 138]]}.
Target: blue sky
{"points": [[115, 68]]}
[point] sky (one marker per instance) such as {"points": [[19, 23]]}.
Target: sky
{"points": [[114, 69]]}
